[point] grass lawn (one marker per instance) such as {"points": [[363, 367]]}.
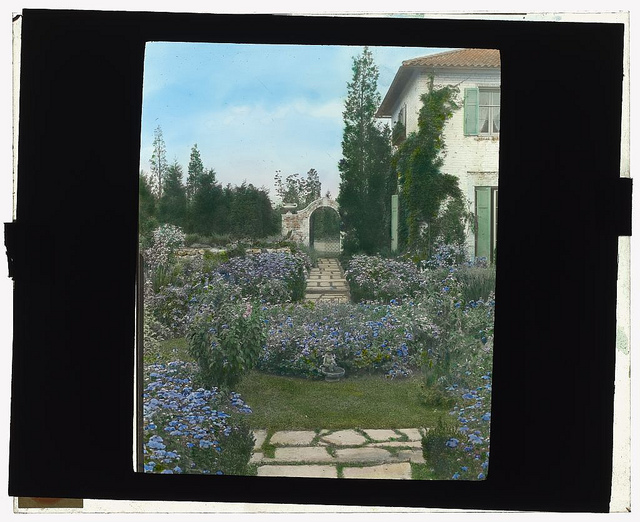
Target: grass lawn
{"points": [[289, 403], [285, 403]]}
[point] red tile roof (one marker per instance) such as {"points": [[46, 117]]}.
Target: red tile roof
{"points": [[481, 58], [458, 58]]}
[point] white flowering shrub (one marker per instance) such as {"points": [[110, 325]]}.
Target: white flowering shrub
{"points": [[166, 239]]}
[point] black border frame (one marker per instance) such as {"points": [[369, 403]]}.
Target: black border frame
{"points": [[73, 251]]}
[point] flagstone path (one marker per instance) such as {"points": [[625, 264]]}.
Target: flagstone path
{"points": [[354, 453], [349, 453], [327, 283]]}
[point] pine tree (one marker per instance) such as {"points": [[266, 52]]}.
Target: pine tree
{"points": [[364, 197], [204, 207], [195, 170], [147, 220], [312, 187], [158, 161], [173, 203]]}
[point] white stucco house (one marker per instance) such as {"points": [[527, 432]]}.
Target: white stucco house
{"points": [[472, 136]]}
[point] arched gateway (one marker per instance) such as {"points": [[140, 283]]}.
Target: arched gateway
{"points": [[297, 226]]}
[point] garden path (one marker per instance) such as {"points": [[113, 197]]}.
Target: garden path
{"points": [[355, 453], [327, 283]]}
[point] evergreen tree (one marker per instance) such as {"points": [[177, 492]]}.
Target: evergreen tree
{"points": [[173, 203], [147, 220], [251, 212], [312, 187], [195, 171], [158, 162], [364, 196], [204, 207]]}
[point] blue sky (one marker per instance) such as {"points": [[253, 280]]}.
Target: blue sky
{"points": [[254, 109]]}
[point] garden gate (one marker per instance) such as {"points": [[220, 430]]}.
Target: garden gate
{"points": [[297, 225]]}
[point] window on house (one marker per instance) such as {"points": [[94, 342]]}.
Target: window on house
{"points": [[400, 126], [481, 112], [489, 111]]}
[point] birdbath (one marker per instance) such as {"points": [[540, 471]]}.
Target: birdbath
{"points": [[331, 371]]}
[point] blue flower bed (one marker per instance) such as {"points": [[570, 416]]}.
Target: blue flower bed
{"points": [[270, 277], [470, 450], [180, 419], [363, 338]]}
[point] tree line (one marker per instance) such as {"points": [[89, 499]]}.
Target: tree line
{"points": [[201, 205], [433, 209]]}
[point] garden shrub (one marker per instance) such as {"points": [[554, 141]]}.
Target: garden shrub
{"points": [[152, 334], [166, 239], [232, 454], [446, 255], [212, 260], [435, 396], [188, 429], [175, 306], [225, 341], [363, 338], [437, 450], [271, 277], [373, 278], [477, 283]]}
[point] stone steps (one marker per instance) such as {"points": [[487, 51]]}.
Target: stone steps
{"points": [[374, 453], [326, 282]]}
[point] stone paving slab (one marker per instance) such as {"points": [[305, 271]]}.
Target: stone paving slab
{"points": [[398, 471], [363, 455], [412, 433], [311, 471], [292, 438], [326, 282], [345, 438], [256, 457], [327, 289], [397, 444], [302, 454], [260, 436], [381, 435], [326, 296], [414, 456]]}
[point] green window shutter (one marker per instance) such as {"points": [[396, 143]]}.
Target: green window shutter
{"points": [[471, 97], [483, 222]]}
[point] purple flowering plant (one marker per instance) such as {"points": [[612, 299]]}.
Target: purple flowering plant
{"points": [[188, 429], [363, 337]]}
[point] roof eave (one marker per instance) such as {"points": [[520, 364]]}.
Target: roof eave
{"points": [[395, 89]]}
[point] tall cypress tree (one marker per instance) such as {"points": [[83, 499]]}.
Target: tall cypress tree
{"points": [[195, 170], [205, 204], [364, 197], [173, 203], [147, 220], [158, 161]]}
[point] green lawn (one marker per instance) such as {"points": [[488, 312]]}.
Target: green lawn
{"points": [[281, 403]]}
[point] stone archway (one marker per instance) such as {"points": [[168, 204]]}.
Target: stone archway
{"points": [[297, 225]]}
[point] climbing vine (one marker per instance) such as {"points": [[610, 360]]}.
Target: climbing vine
{"points": [[434, 207]]}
